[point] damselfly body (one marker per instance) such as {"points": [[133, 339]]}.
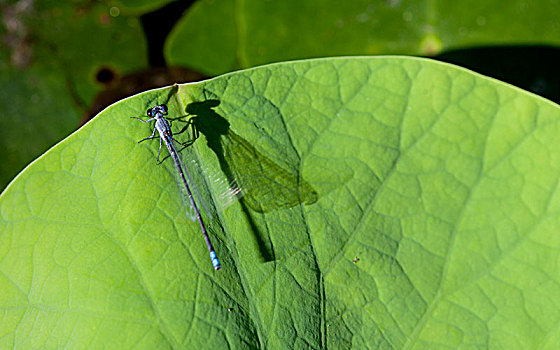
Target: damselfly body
{"points": [[163, 128]]}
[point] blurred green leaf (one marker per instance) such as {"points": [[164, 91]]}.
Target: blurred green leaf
{"points": [[138, 6], [52, 51], [432, 221], [220, 36]]}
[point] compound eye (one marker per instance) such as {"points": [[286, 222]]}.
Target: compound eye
{"points": [[164, 108], [149, 112]]}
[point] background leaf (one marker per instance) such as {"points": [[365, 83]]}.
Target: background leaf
{"points": [[139, 6], [219, 36], [48, 71], [434, 224]]}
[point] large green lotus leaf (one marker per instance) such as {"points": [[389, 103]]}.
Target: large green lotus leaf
{"points": [[48, 71], [219, 36], [391, 203]]}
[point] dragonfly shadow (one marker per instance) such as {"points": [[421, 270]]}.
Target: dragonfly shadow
{"points": [[267, 185]]}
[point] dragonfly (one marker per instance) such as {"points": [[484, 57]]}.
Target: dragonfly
{"points": [[163, 129]]}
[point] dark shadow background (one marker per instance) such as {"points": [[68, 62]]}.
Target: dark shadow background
{"points": [[158, 24], [532, 68]]}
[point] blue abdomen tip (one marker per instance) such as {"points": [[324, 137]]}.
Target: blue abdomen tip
{"points": [[215, 260]]}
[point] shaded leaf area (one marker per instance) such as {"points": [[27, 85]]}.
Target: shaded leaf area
{"points": [[240, 33], [48, 71], [425, 217]]}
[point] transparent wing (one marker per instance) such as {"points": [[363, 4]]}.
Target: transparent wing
{"points": [[223, 192]]}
